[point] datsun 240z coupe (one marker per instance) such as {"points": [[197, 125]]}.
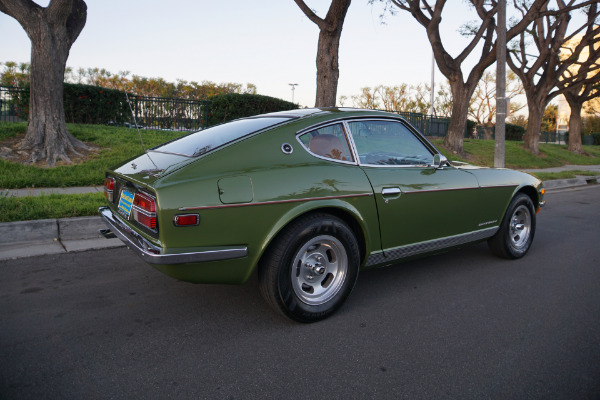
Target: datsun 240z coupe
{"points": [[308, 198]]}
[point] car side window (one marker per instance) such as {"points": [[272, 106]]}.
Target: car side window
{"points": [[388, 143], [328, 142]]}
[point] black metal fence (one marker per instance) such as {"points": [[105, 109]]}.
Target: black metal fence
{"points": [[552, 137], [150, 112], [170, 114], [11, 108], [428, 125]]}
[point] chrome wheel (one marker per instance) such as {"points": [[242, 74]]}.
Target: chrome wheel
{"points": [[515, 234], [310, 268], [319, 270], [520, 227]]}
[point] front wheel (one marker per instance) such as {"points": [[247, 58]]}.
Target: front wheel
{"points": [[311, 268], [516, 230]]}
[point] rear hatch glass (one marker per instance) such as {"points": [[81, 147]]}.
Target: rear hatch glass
{"points": [[201, 142]]}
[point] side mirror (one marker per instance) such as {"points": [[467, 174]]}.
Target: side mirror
{"points": [[439, 161]]}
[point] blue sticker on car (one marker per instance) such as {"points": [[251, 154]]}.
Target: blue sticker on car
{"points": [[125, 202]]}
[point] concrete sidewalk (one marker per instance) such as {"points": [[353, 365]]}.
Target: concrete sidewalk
{"points": [[43, 191], [65, 235]]}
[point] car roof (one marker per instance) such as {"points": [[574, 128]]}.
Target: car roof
{"points": [[313, 112]]}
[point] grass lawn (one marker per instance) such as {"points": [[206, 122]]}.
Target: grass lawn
{"points": [[481, 152], [548, 176], [115, 145], [50, 206]]}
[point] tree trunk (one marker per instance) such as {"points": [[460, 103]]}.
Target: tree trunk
{"points": [[328, 71], [47, 137], [534, 124], [574, 125], [488, 131], [52, 31], [330, 31], [458, 122]]}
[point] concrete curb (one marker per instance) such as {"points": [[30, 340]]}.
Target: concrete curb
{"points": [[52, 236], [48, 191], [568, 183]]}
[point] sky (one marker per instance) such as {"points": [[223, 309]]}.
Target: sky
{"points": [[269, 43]]}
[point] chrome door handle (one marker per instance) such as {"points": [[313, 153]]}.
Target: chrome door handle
{"points": [[391, 191]]}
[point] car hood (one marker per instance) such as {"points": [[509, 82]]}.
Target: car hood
{"points": [[150, 166]]}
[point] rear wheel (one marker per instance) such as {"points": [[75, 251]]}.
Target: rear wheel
{"points": [[311, 268], [516, 232]]}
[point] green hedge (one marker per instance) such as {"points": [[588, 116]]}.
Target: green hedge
{"points": [[85, 104], [514, 132], [227, 107]]}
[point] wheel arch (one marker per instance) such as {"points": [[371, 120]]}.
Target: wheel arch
{"points": [[347, 214], [531, 192]]}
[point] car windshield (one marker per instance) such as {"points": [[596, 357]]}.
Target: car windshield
{"points": [[202, 142]]}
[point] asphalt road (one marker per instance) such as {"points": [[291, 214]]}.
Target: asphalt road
{"points": [[463, 325]]}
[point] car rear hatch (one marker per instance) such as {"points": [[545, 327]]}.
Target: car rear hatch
{"points": [[130, 192]]}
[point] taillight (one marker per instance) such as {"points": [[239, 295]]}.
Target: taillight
{"points": [[109, 187], [144, 210]]}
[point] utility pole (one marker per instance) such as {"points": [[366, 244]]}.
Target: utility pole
{"points": [[499, 148]]}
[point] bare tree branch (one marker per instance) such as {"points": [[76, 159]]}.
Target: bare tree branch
{"points": [[310, 14]]}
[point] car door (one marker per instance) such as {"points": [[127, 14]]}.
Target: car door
{"points": [[421, 208]]}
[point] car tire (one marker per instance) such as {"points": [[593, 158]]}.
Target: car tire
{"points": [[517, 229], [310, 268]]}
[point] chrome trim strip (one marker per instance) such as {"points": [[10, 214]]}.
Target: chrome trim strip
{"points": [[376, 115], [498, 186], [428, 246], [425, 166], [263, 203], [170, 153], [440, 190], [151, 253], [464, 188]]}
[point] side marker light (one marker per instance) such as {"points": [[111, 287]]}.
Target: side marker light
{"points": [[186, 220]]}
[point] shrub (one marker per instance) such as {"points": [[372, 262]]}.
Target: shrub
{"points": [[514, 132], [227, 107], [85, 104]]}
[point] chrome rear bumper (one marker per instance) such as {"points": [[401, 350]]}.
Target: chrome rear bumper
{"points": [[153, 254]]}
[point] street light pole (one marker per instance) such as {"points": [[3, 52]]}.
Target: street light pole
{"points": [[432, 109], [293, 85], [499, 149], [431, 95]]}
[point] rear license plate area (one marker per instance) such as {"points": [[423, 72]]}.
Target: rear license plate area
{"points": [[125, 202]]}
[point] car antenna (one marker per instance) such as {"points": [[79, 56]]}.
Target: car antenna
{"points": [[138, 129]]}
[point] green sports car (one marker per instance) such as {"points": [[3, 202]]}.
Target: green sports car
{"points": [[308, 198]]}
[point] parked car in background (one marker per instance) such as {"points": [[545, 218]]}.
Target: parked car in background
{"points": [[308, 198]]}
